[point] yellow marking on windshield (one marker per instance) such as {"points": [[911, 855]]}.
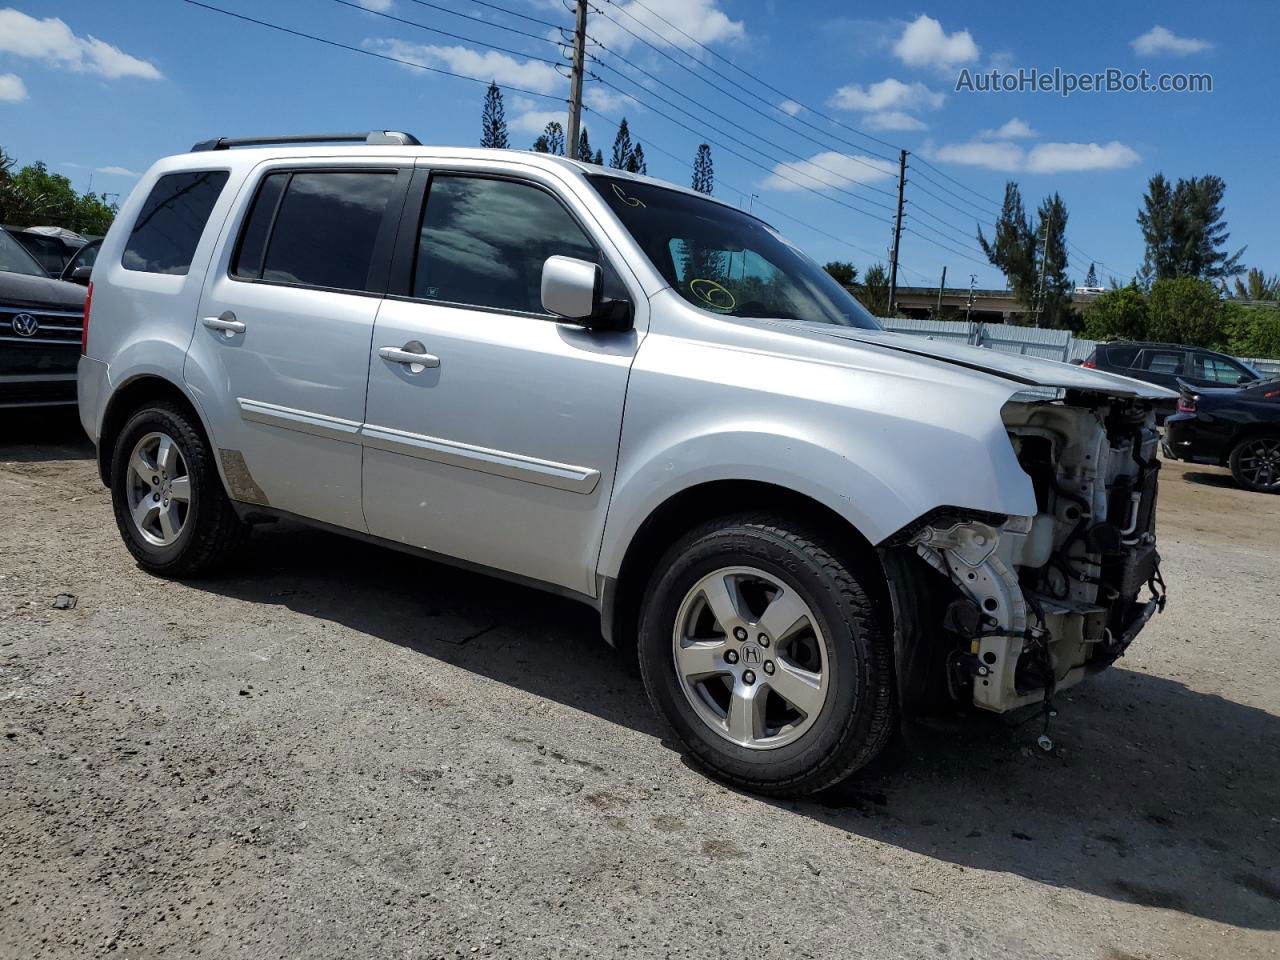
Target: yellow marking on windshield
{"points": [[712, 294], [629, 201]]}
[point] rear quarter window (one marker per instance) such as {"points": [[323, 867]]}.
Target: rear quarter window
{"points": [[169, 225], [1121, 356]]}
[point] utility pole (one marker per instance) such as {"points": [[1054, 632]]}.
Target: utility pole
{"points": [[1044, 259], [941, 284], [575, 86], [968, 311], [897, 235]]}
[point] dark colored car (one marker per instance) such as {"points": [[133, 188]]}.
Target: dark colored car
{"points": [[1236, 427], [80, 266], [51, 247], [1170, 365], [41, 320]]}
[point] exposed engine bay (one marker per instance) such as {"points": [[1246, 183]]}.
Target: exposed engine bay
{"points": [[1033, 604]]}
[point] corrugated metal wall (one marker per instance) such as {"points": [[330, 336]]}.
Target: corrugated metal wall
{"points": [[1032, 341]]}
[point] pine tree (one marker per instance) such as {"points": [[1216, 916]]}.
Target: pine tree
{"points": [[1051, 252], [598, 159], [1013, 248], [1184, 230], [1091, 278], [703, 177], [635, 162], [584, 147], [493, 120], [551, 140], [621, 147]]}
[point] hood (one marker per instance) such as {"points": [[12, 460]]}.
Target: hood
{"points": [[20, 290], [1029, 371]]}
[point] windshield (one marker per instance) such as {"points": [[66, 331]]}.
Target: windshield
{"points": [[725, 261], [15, 259]]}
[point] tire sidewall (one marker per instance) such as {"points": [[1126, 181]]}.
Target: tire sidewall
{"points": [[169, 422], [847, 660], [1234, 463]]}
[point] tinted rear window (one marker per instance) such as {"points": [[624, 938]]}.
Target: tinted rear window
{"points": [[315, 229], [1121, 356], [169, 226]]}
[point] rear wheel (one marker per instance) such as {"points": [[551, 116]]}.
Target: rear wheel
{"points": [[1255, 463], [170, 507], [760, 646]]}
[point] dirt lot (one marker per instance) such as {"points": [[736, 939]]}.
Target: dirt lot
{"points": [[344, 752]]}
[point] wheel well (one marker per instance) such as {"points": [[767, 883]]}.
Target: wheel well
{"points": [[134, 394], [688, 508]]}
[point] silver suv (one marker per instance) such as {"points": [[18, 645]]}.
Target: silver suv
{"points": [[632, 394]]}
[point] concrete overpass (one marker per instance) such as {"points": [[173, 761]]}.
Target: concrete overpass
{"points": [[989, 306]]}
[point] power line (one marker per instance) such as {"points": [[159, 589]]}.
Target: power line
{"points": [[363, 52], [946, 203], [740, 156], [501, 9], [755, 136], [454, 36], [936, 243], [962, 185], [488, 23]]}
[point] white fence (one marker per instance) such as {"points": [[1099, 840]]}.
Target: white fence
{"points": [[1030, 341]]}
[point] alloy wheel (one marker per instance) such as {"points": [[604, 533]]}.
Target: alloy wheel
{"points": [[750, 657], [158, 489], [1259, 462]]}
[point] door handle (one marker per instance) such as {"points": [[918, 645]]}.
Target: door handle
{"points": [[226, 323], [411, 354]]}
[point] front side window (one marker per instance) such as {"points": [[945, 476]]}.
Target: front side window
{"points": [[1217, 370], [315, 229], [168, 228], [726, 261], [484, 241]]}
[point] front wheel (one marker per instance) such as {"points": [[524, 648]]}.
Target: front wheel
{"points": [[762, 647], [1255, 464]]}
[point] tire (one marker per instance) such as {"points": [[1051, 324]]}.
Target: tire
{"points": [[203, 530], [696, 671], [1255, 463]]}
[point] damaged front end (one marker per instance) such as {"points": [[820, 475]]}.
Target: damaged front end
{"points": [[1023, 606]]}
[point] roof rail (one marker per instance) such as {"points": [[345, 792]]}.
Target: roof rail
{"points": [[371, 137]]}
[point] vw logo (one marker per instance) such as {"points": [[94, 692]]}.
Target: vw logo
{"points": [[25, 325]]}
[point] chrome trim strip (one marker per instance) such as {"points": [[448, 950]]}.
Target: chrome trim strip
{"points": [[37, 377], [547, 473], [66, 342], [41, 312], [302, 421], [514, 466]]}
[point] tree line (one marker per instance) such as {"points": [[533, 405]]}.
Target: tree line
{"points": [[33, 197], [627, 153]]}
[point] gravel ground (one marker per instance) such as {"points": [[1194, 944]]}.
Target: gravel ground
{"points": [[341, 751]]}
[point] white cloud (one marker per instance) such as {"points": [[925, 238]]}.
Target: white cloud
{"points": [[118, 172], [1015, 129], [790, 107], [1042, 158], [377, 6], [888, 94], [829, 170], [12, 89], [53, 42], [535, 121], [490, 65], [703, 20], [1067, 157], [925, 44], [1159, 40], [893, 120], [993, 156]]}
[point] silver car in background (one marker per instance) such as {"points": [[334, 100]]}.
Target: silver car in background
{"points": [[631, 394]]}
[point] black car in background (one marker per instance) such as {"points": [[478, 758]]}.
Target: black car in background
{"points": [[1236, 427], [1170, 365], [41, 320]]}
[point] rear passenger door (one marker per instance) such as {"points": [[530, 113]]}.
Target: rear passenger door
{"points": [[1161, 365], [500, 449], [279, 359]]}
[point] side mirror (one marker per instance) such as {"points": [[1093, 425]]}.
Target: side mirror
{"points": [[81, 275], [1244, 378], [571, 289]]}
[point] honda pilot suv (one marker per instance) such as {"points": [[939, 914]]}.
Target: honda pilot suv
{"points": [[631, 394]]}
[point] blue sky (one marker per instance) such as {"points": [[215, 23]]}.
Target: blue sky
{"points": [[102, 89]]}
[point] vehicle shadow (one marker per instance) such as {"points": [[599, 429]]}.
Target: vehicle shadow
{"points": [[28, 435], [1223, 480], [1154, 794]]}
